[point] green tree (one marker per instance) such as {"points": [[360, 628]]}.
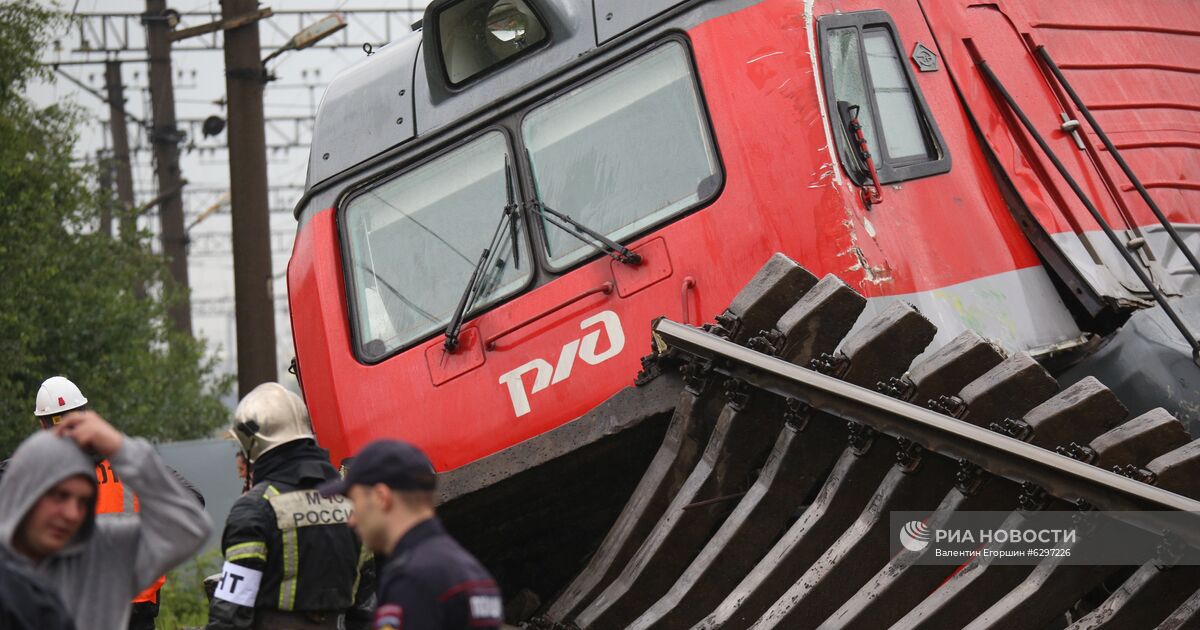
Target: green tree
{"points": [[183, 602], [70, 298]]}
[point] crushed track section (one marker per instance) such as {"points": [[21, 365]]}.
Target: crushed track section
{"points": [[793, 439]]}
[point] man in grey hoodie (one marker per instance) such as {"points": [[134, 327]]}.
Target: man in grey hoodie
{"points": [[47, 518]]}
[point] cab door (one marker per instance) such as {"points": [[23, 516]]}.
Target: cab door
{"points": [[940, 235]]}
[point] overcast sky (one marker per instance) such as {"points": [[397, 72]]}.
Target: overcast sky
{"points": [[199, 84]]}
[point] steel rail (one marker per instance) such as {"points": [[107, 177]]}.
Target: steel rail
{"points": [[1141, 504]]}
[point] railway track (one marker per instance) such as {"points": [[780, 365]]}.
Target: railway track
{"points": [[767, 504]]}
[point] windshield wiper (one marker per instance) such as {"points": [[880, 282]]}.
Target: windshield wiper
{"points": [[511, 210], [492, 281], [565, 223], [475, 286], [580, 231]]}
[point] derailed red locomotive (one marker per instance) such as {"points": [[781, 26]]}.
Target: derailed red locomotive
{"points": [[499, 205]]}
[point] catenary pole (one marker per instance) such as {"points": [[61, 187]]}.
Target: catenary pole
{"points": [[104, 168], [165, 137], [118, 127], [253, 292]]}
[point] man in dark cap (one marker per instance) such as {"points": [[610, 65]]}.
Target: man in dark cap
{"points": [[429, 581]]}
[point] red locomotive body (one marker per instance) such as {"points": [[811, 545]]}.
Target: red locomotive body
{"points": [[946, 241], [703, 137]]}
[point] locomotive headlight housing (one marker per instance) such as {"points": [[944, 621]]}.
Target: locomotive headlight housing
{"points": [[478, 36]]}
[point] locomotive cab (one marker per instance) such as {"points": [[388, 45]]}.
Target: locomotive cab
{"points": [[500, 203]]}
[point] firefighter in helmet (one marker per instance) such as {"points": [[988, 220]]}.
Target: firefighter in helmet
{"points": [[290, 560], [57, 396]]}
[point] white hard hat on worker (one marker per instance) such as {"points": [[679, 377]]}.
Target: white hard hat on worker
{"points": [[57, 396], [268, 417]]}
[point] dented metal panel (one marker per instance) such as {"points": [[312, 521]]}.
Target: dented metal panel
{"points": [[1148, 365]]}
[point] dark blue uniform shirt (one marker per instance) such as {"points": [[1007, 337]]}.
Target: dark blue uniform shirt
{"points": [[432, 583]]}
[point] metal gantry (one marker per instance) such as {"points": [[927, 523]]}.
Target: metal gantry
{"points": [[121, 32]]}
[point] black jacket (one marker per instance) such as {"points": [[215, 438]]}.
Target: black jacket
{"points": [[28, 604], [288, 549], [432, 583]]}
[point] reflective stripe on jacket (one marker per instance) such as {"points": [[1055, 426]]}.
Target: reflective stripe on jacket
{"points": [[287, 549]]}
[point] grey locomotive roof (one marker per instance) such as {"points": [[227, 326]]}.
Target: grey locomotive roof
{"points": [[394, 95]]}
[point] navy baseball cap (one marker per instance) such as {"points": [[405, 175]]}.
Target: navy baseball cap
{"points": [[397, 464]]}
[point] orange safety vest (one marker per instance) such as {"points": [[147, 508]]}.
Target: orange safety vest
{"points": [[110, 499]]}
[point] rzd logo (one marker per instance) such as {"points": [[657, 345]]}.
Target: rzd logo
{"points": [[585, 348]]}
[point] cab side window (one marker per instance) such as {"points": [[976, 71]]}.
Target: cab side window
{"points": [[864, 67]]}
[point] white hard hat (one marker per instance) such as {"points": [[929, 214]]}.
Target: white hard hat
{"points": [[269, 416], [58, 396]]}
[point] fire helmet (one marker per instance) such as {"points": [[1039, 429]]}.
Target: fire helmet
{"points": [[267, 417], [57, 396]]}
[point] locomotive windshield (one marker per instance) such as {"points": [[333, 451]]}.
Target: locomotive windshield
{"points": [[421, 226], [618, 154], [622, 152]]}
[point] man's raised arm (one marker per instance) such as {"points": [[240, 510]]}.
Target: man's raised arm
{"points": [[170, 526]]}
